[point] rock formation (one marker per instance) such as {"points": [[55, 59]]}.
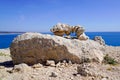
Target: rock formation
{"points": [[32, 48], [83, 37], [99, 40], [87, 51], [61, 29]]}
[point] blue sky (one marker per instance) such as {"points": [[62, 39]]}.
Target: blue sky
{"points": [[41, 15]]}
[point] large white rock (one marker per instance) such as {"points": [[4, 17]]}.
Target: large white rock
{"points": [[33, 48]]}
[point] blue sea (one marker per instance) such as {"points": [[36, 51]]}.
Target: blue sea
{"points": [[111, 38]]}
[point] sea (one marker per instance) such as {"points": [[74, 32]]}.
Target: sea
{"points": [[110, 38]]}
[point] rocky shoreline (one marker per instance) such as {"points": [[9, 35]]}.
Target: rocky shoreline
{"points": [[91, 68]]}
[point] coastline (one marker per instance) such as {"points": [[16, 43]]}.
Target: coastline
{"points": [[90, 70], [64, 71], [111, 39]]}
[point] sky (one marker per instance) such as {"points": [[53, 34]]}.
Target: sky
{"points": [[41, 15]]}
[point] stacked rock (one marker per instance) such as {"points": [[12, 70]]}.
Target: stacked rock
{"points": [[61, 29]]}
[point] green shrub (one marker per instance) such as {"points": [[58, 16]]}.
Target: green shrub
{"points": [[109, 60], [3, 54]]}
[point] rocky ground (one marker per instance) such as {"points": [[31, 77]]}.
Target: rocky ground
{"points": [[60, 71]]}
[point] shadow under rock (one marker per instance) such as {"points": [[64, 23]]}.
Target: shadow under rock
{"points": [[7, 63]]}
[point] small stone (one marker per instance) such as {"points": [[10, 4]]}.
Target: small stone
{"points": [[71, 78], [50, 63], [64, 61], [60, 69], [37, 65], [78, 75], [21, 68], [53, 74], [69, 62], [2, 67], [103, 79], [32, 76], [58, 64]]}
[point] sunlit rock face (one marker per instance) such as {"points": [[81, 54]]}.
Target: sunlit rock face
{"points": [[100, 40], [61, 29], [32, 48]]}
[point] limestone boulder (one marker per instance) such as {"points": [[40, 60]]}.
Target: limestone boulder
{"points": [[61, 29], [32, 48], [100, 40], [78, 30]]}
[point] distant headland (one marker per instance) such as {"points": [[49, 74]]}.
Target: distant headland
{"points": [[11, 32]]}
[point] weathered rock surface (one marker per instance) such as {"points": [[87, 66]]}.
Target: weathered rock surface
{"points": [[83, 37], [83, 70], [100, 40], [50, 63], [37, 65], [21, 68], [32, 48], [61, 29]]}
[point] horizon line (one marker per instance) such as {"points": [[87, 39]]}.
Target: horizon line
{"points": [[46, 31]]}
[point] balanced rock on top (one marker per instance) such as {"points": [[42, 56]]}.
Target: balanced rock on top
{"points": [[61, 29]]}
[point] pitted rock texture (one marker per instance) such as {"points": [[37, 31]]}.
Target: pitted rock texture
{"points": [[32, 48], [60, 29], [83, 37], [100, 40], [39, 50]]}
